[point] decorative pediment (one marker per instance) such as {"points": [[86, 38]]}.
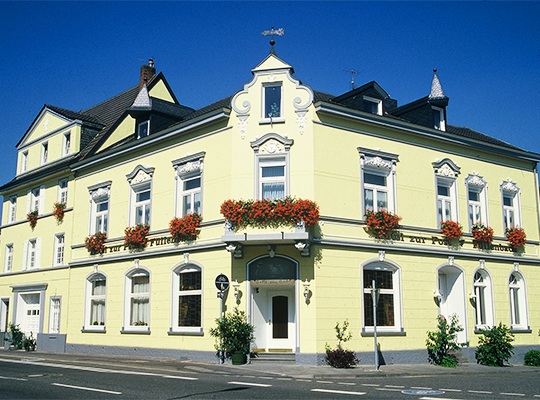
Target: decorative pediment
{"points": [[377, 158], [189, 164], [140, 174], [446, 168], [509, 186], [475, 180], [100, 190], [271, 143]]}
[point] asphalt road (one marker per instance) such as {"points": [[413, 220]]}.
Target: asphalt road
{"points": [[35, 378]]}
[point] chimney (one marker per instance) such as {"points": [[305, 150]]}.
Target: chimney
{"points": [[147, 72]]}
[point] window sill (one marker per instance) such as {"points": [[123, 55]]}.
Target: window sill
{"points": [[518, 329], [94, 329], [131, 330], [383, 333], [190, 332], [273, 121]]}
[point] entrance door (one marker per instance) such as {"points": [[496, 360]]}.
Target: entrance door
{"points": [[31, 318], [452, 290], [281, 332]]}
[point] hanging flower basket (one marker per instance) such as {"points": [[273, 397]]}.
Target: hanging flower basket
{"points": [[270, 213], [58, 211], [482, 233], [95, 244], [381, 223], [32, 217], [516, 237], [136, 237], [185, 228], [451, 230]]}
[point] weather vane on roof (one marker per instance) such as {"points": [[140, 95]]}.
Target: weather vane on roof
{"points": [[272, 32]]}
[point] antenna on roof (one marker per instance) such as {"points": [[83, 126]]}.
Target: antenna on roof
{"points": [[353, 73]]}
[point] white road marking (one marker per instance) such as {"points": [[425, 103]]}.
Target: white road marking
{"points": [[436, 398], [389, 390], [338, 392], [370, 384], [35, 376], [450, 390], [284, 379], [303, 380], [324, 382], [479, 391], [186, 378], [395, 386], [85, 388], [513, 394], [421, 388], [14, 379], [249, 384], [347, 383]]}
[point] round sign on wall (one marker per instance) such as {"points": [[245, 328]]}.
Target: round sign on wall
{"points": [[222, 282]]}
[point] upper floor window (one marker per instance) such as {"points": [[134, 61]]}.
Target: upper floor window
{"points": [[189, 184], [446, 173], [99, 207], [140, 180], [59, 247], [187, 299], [438, 118], [143, 129], [477, 199], [12, 212], [378, 180], [96, 298], [388, 284], [62, 190], [272, 101], [8, 261], [44, 152], [373, 106], [31, 254], [24, 161], [36, 199], [510, 204], [518, 301], [272, 166], [66, 145], [137, 300], [483, 299]]}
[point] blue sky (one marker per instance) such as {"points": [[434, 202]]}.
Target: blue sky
{"points": [[76, 54]]}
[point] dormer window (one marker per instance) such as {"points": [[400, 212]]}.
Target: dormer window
{"points": [[24, 161], [438, 118], [44, 153], [67, 143], [272, 101], [143, 129], [373, 106]]}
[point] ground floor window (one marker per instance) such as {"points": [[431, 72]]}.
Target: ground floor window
{"points": [[96, 297], [137, 300], [187, 299], [518, 301]]}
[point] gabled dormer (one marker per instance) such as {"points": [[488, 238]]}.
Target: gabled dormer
{"points": [[429, 111], [371, 98], [55, 134]]}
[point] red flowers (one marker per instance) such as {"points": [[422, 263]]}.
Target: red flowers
{"points": [[185, 228], [58, 211], [482, 233], [381, 223], [31, 217], [95, 244], [451, 229], [270, 213], [136, 238], [516, 237]]}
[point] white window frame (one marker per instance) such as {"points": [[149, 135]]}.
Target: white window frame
{"points": [[140, 180], [12, 212], [44, 152], [59, 249], [8, 258], [141, 126], [177, 294], [129, 295], [91, 298], [4, 314], [393, 268], [188, 168], [446, 173], [517, 293], [63, 190], [24, 161], [66, 143], [31, 256], [99, 194], [376, 162], [268, 162], [477, 184], [483, 299], [441, 123], [36, 199], [266, 118], [375, 101], [55, 309], [510, 190]]}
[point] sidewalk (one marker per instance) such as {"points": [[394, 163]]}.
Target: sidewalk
{"points": [[270, 368]]}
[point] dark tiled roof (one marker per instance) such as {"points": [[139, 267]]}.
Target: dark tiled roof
{"points": [[472, 134], [168, 108], [223, 103], [75, 115]]}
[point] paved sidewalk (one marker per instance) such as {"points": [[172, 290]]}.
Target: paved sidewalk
{"points": [[271, 368]]}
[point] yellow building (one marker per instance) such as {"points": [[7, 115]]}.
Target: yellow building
{"points": [[141, 158]]}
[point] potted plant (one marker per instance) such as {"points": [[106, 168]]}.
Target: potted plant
{"points": [[31, 217], [451, 230], [185, 228], [136, 238], [482, 233], [235, 335], [516, 236], [58, 211], [95, 244], [381, 223]]}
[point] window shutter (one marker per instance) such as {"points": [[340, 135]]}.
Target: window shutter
{"points": [[28, 201], [37, 253], [41, 199], [25, 254]]}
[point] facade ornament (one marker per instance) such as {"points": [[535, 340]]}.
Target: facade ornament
{"points": [[301, 121], [271, 143], [100, 190], [303, 248], [381, 255], [242, 125], [189, 164], [516, 266], [475, 180], [140, 174], [195, 166], [509, 186], [229, 228], [378, 162], [235, 249], [186, 258], [136, 261], [95, 268], [272, 146], [482, 264], [450, 260], [446, 168], [46, 125]]}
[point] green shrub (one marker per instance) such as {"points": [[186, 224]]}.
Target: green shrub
{"points": [[532, 357], [443, 341], [17, 336], [341, 358], [495, 346]]}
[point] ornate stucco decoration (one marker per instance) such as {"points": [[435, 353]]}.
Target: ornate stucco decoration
{"points": [[475, 180], [509, 186], [140, 174], [100, 190], [378, 162], [446, 168], [271, 143], [189, 164], [377, 159]]}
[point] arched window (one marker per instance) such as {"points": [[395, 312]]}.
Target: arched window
{"points": [[483, 299], [187, 299], [518, 301], [96, 299], [137, 300], [388, 281]]}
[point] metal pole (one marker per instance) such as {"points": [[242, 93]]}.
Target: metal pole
{"points": [[221, 358], [375, 301]]}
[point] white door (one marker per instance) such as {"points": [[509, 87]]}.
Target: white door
{"points": [[31, 318], [281, 328], [452, 289]]}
